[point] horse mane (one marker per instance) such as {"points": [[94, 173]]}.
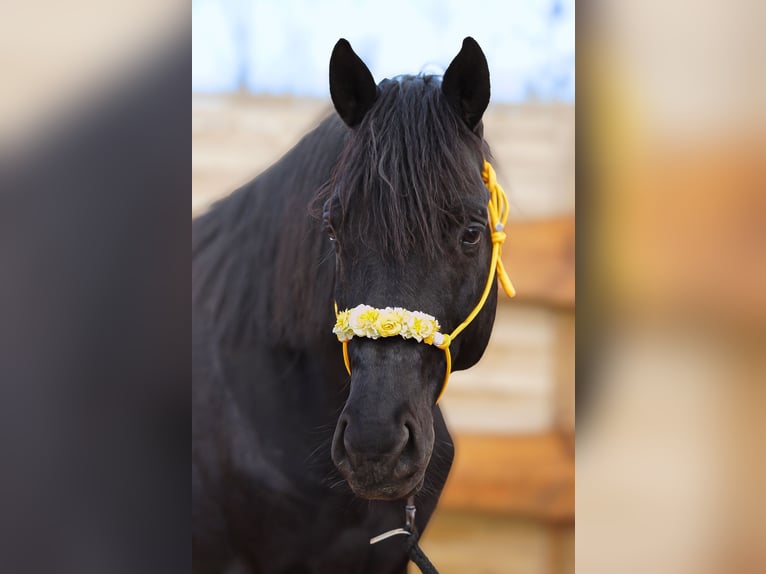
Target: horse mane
{"points": [[262, 268], [403, 175]]}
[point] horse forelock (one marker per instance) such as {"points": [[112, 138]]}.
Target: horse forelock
{"points": [[402, 178]]}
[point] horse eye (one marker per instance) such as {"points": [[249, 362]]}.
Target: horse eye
{"points": [[330, 233], [472, 235]]}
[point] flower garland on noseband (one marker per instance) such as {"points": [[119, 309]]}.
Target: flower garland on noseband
{"points": [[366, 321]]}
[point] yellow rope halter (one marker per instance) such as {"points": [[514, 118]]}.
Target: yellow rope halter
{"points": [[498, 215]]}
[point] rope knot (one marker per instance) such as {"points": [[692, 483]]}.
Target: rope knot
{"points": [[498, 237]]}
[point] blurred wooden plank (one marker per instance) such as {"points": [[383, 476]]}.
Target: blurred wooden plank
{"points": [[533, 145], [564, 375], [512, 389], [539, 256], [530, 475]]}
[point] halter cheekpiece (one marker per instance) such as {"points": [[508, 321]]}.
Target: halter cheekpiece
{"points": [[372, 322]]}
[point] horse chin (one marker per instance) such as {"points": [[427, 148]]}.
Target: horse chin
{"points": [[394, 490], [384, 492]]}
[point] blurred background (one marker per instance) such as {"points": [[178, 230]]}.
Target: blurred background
{"points": [[672, 278], [260, 81]]}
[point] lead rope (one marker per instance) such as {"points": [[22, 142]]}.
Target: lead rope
{"points": [[414, 551]]}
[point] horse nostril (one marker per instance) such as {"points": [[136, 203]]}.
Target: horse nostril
{"points": [[347, 446], [409, 447], [339, 446], [409, 453]]}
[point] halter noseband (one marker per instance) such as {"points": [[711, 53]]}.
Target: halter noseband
{"points": [[366, 321]]}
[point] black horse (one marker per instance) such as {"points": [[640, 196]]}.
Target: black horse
{"points": [[296, 465]]}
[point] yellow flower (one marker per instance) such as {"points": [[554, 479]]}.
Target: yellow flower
{"points": [[362, 319], [341, 329], [421, 326], [389, 322]]}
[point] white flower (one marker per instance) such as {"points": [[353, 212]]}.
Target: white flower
{"points": [[361, 320], [421, 326]]}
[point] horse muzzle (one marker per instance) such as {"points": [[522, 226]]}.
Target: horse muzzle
{"points": [[381, 463]]}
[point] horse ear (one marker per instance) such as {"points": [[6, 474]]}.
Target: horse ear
{"points": [[352, 86], [466, 83]]}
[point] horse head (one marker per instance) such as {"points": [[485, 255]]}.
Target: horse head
{"points": [[406, 210]]}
